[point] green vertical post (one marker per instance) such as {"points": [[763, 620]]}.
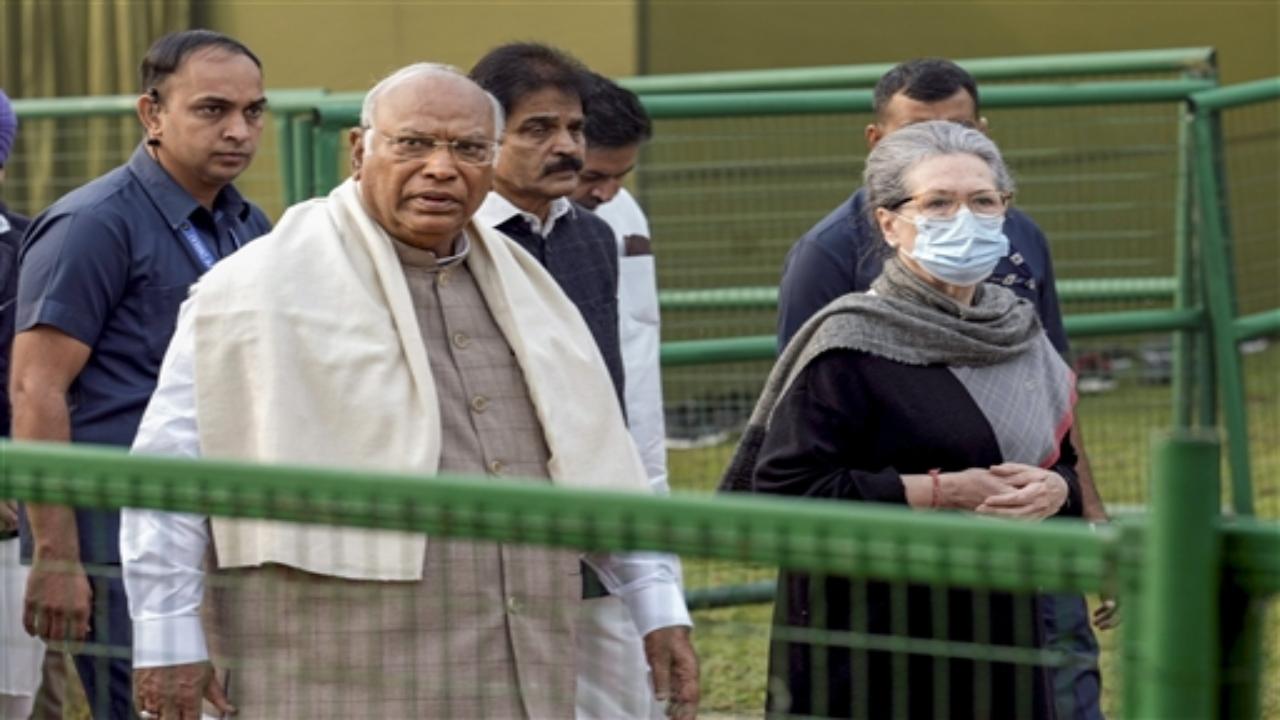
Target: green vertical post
{"points": [[1178, 666], [303, 182], [284, 150], [1184, 380], [327, 144], [1218, 274], [1130, 569]]}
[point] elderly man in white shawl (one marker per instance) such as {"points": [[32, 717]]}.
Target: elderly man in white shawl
{"points": [[379, 328]]}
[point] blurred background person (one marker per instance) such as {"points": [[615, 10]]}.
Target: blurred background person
{"points": [[611, 663], [903, 396], [544, 93]]}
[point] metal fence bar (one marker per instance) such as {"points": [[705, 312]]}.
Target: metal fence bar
{"points": [[1198, 60], [1069, 290], [764, 347], [1178, 670], [883, 542]]}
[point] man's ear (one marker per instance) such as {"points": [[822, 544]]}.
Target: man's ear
{"points": [[148, 106], [356, 138], [873, 133], [982, 125]]}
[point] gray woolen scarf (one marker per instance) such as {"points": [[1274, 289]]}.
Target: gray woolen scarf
{"points": [[903, 319]]}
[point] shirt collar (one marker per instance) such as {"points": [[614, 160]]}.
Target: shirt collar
{"points": [[173, 202], [496, 210], [411, 256]]}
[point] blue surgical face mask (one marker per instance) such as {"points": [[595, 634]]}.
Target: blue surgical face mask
{"points": [[960, 250]]}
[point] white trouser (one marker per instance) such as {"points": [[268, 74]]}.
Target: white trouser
{"points": [[21, 656], [613, 676]]}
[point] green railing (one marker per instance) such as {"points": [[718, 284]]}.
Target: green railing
{"points": [[1174, 568], [1198, 61]]}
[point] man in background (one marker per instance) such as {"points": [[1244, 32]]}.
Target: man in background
{"points": [[839, 255], [544, 94], [23, 654], [102, 273], [610, 653]]}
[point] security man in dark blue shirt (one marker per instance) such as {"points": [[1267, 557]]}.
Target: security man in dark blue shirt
{"points": [[841, 254], [101, 275]]}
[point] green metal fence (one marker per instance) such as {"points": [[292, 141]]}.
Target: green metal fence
{"points": [[1180, 570]]}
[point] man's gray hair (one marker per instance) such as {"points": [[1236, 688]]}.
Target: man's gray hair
{"points": [[898, 152], [416, 70]]}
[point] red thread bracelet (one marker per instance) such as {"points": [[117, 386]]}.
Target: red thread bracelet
{"points": [[937, 487]]}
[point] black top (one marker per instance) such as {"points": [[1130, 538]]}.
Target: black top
{"points": [[847, 429], [109, 264], [841, 255], [12, 226], [581, 253]]}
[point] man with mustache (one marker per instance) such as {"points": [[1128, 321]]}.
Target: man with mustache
{"points": [[101, 275], [543, 92]]}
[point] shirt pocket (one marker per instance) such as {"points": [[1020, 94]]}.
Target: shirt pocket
{"points": [[637, 289], [160, 305]]}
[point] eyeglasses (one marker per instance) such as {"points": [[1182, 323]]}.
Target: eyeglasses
{"points": [[944, 206], [419, 147]]}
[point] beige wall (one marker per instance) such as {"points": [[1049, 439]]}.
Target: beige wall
{"points": [[348, 46], [696, 35]]}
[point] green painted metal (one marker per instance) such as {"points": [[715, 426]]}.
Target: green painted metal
{"points": [[709, 598], [1074, 290], [1179, 670], [75, 107], [764, 347], [116, 105], [1230, 96], [819, 536], [1197, 60], [805, 102], [1259, 324], [324, 169], [1217, 270], [303, 125], [1185, 295], [1132, 321]]}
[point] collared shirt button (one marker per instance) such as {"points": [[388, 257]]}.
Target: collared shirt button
{"points": [[442, 278], [513, 605], [496, 467], [461, 340], [479, 403]]}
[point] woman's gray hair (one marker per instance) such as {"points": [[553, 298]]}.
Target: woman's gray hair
{"points": [[416, 70], [898, 152]]}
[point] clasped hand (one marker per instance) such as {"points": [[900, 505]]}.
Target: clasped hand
{"points": [[1007, 490]]}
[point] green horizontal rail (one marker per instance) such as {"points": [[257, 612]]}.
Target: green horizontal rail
{"points": [[709, 598], [1190, 60], [120, 105], [344, 111], [818, 536], [1246, 93], [1075, 290], [1257, 324], [1126, 322], [809, 102], [711, 351]]}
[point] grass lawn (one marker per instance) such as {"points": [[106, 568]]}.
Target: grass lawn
{"points": [[732, 642]]}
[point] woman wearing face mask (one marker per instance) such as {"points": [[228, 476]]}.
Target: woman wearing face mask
{"points": [[935, 391]]}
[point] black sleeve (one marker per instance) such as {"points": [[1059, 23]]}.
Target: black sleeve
{"points": [[817, 434], [1066, 467]]}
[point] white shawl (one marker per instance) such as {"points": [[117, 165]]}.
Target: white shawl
{"points": [[308, 352]]}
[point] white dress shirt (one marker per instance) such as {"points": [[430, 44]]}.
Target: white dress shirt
{"points": [[163, 552], [496, 210], [640, 331]]}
